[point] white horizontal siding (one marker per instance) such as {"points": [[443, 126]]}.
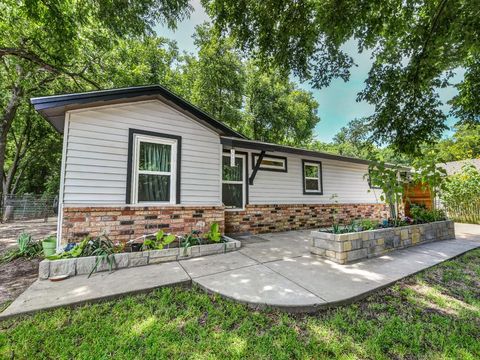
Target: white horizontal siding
{"points": [[97, 153], [341, 178]]}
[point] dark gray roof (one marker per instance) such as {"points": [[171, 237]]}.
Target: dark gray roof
{"points": [[453, 167], [53, 108]]}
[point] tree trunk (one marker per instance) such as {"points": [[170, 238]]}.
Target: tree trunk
{"points": [[6, 120]]}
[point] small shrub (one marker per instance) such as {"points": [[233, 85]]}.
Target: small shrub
{"points": [[421, 214], [214, 234], [26, 247]]}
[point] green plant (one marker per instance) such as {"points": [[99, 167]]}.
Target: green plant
{"points": [[461, 195], [388, 178], [428, 174], [158, 242], [421, 214], [214, 234], [367, 224], [190, 239], [26, 247], [76, 251], [103, 248]]}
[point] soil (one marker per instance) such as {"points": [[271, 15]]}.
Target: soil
{"points": [[16, 276], [19, 274]]}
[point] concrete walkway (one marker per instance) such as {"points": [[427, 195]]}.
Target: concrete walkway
{"points": [[274, 270]]}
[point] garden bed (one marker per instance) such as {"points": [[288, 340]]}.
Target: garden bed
{"points": [[353, 246], [84, 265]]}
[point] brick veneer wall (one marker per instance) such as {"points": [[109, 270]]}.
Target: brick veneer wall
{"points": [[125, 223], [269, 218]]}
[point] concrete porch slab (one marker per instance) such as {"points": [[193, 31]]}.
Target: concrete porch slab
{"points": [[208, 265], [259, 286], [44, 294]]}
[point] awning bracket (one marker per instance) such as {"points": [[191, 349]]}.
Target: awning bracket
{"points": [[256, 167]]}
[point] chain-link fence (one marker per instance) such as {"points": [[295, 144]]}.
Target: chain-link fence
{"points": [[26, 207]]}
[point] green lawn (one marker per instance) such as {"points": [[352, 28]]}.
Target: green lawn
{"points": [[434, 315]]}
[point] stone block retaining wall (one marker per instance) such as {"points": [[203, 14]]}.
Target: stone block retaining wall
{"points": [[126, 223], [257, 219], [345, 248], [84, 265]]}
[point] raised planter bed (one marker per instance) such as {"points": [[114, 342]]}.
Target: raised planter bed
{"points": [[349, 247], [84, 265]]}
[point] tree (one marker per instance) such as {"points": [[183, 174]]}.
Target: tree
{"points": [[463, 145], [56, 45], [216, 77], [276, 110], [416, 47]]}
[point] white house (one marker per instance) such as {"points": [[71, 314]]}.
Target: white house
{"points": [[140, 159]]}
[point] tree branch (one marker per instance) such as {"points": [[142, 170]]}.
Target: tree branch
{"points": [[34, 58]]}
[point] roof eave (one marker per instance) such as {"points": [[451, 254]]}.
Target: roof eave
{"points": [[62, 102]]}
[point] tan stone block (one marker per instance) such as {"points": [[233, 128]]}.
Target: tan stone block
{"points": [[341, 255], [415, 238], [330, 254], [404, 234], [380, 241], [347, 246]]}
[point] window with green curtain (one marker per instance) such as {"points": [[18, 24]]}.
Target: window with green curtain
{"points": [[154, 172]]}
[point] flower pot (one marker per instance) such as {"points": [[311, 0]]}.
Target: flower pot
{"points": [[49, 247]]}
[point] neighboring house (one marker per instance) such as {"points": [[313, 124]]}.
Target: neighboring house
{"points": [[453, 167], [140, 159]]}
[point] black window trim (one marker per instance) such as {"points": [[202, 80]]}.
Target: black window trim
{"points": [[131, 133], [320, 192], [369, 180], [273, 157]]}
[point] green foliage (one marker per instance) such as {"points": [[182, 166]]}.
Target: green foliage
{"points": [[420, 214], [217, 77], [430, 175], [368, 224], [388, 179], [214, 234], [464, 144], [276, 110], [432, 315], [77, 251], [158, 242], [103, 249], [461, 195], [26, 247], [416, 48]]}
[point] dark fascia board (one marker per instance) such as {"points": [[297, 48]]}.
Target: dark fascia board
{"points": [[258, 145], [57, 104]]}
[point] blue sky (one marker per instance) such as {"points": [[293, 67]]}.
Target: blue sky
{"points": [[337, 102]]}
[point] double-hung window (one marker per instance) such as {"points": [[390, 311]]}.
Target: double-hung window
{"points": [[154, 169], [312, 177], [233, 181]]}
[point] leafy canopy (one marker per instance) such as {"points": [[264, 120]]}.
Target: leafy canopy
{"points": [[417, 45]]}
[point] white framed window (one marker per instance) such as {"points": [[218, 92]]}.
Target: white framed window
{"points": [[271, 163], [234, 181], [312, 177], [154, 169]]}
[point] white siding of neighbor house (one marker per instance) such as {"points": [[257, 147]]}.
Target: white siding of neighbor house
{"points": [[342, 178], [97, 148]]}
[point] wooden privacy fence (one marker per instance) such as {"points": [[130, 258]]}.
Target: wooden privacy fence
{"points": [[416, 194]]}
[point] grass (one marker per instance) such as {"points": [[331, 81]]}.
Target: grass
{"points": [[433, 315]]}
